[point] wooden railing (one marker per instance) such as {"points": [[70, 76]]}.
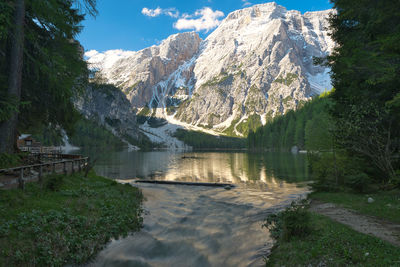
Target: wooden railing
{"points": [[41, 149], [50, 156], [76, 163]]}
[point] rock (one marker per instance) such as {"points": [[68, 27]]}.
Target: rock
{"points": [[256, 65], [227, 187], [370, 200], [108, 106], [294, 150]]}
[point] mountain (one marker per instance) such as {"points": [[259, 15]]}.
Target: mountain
{"points": [[106, 105], [256, 65]]}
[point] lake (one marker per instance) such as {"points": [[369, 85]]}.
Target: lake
{"points": [[197, 225]]}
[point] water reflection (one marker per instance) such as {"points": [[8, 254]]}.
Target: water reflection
{"points": [[203, 226], [203, 166]]}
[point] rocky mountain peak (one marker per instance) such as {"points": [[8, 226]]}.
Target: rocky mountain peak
{"points": [[268, 10], [257, 64]]}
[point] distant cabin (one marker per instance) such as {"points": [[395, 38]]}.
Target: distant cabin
{"points": [[26, 142]]}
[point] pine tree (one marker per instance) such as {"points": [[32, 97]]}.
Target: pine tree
{"points": [[366, 74], [42, 63]]}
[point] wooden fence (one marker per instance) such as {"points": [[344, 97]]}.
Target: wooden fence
{"points": [[41, 149], [54, 165]]}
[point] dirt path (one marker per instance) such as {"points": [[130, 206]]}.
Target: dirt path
{"points": [[361, 223]]}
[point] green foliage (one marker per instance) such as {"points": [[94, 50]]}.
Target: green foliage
{"points": [[8, 106], [182, 108], [115, 123], [48, 136], [288, 80], [293, 222], [217, 80], [143, 142], [42, 227], [319, 132], [128, 90], [108, 89], [252, 123], [386, 203], [202, 140], [367, 131], [333, 244], [53, 182], [89, 133], [230, 130], [310, 127], [171, 110], [9, 160], [358, 182], [326, 171], [145, 111], [156, 122], [53, 68], [340, 171], [366, 66]]}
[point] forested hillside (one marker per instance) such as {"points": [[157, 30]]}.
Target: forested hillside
{"points": [[199, 140], [307, 128]]}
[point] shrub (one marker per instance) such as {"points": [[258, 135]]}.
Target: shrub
{"points": [[396, 180], [54, 182], [358, 182], [292, 222], [324, 172], [334, 172], [9, 160]]}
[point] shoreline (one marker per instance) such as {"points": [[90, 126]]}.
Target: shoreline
{"points": [[331, 242], [67, 219]]}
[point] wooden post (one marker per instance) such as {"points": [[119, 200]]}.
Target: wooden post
{"points": [[21, 179], [54, 167], [72, 166], [40, 173], [65, 167]]}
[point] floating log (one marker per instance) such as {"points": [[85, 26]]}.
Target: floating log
{"points": [[225, 185]]}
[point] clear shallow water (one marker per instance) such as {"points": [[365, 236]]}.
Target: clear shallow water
{"points": [[203, 226]]}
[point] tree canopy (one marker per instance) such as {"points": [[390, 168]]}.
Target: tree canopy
{"points": [[53, 69], [366, 74]]}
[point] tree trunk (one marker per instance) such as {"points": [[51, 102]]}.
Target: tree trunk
{"points": [[8, 129]]}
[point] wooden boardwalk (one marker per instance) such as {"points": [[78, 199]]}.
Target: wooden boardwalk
{"points": [[50, 163]]}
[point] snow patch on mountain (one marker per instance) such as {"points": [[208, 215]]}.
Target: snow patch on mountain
{"points": [[259, 61]]}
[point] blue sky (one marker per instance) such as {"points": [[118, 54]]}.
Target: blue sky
{"points": [[136, 24]]}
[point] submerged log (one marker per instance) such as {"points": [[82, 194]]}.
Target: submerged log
{"points": [[184, 183]]}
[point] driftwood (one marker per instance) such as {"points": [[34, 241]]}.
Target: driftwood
{"points": [[225, 185]]}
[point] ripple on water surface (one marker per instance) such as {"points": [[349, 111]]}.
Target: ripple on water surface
{"points": [[204, 226]]}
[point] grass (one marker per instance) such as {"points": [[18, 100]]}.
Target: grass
{"points": [[65, 221], [334, 244], [386, 204]]}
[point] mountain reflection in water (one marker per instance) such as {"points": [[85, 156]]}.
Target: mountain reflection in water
{"points": [[203, 226]]}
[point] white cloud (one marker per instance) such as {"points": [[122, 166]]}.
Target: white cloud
{"points": [[171, 12], [151, 12], [203, 19]]}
